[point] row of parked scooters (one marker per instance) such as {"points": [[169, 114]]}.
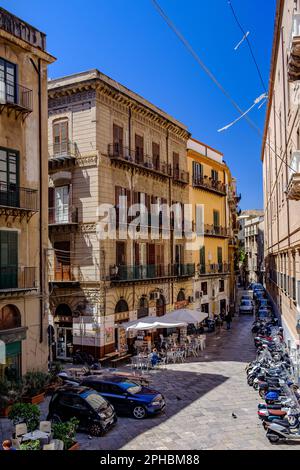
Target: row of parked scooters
{"points": [[271, 374]]}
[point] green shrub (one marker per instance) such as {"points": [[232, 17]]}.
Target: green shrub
{"points": [[25, 413], [35, 382], [10, 392], [31, 445], [66, 432]]}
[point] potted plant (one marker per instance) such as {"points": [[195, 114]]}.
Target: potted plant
{"points": [[25, 413], [66, 432], [31, 445], [10, 393], [34, 386]]}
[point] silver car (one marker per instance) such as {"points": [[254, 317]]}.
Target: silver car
{"points": [[246, 306]]}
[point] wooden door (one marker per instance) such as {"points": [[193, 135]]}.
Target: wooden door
{"points": [[120, 253], [156, 155], [62, 261], [60, 137], [118, 139]]}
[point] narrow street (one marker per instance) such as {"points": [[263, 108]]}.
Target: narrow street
{"points": [[201, 396]]}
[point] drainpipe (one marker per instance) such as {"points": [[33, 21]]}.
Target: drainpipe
{"points": [[41, 267]]}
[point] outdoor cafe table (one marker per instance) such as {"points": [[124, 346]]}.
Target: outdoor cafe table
{"points": [[36, 435]]}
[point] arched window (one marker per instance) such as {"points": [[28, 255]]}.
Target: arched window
{"points": [[10, 318], [161, 306], [180, 296], [63, 310], [143, 310], [122, 306]]}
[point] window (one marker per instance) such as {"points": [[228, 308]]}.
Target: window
{"points": [[197, 172], [60, 137], [143, 310], [205, 308], [8, 80], [120, 253], [221, 285], [9, 178], [214, 175], [61, 204], [204, 288], [156, 155], [176, 164], [118, 139], [202, 260], [139, 148], [216, 216], [220, 255], [122, 306], [10, 318], [8, 259], [180, 296]]}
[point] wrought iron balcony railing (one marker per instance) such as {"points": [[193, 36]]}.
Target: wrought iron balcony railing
{"points": [[17, 278], [15, 96], [63, 150], [63, 216], [209, 184], [181, 176], [138, 158], [218, 268], [12, 196], [216, 231], [147, 272]]}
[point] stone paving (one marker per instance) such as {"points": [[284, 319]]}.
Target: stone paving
{"points": [[201, 396]]}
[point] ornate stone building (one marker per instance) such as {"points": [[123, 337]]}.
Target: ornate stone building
{"points": [[105, 142], [23, 196]]}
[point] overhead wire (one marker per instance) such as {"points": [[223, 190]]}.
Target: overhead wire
{"points": [[212, 76]]}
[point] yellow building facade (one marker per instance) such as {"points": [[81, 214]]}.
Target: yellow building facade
{"points": [[212, 186]]}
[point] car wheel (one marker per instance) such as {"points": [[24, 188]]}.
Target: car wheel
{"points": [[96, 430], [273, 438], [139, 412]]}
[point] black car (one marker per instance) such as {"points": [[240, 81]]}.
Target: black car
{"points": [[126, 396], [95, 414]]}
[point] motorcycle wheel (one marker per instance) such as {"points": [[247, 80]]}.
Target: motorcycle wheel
{"points": [[255, 386], [250, 381], [273, 438]]}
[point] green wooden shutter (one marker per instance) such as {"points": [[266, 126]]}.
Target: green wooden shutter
{"points": [[8, 259]]}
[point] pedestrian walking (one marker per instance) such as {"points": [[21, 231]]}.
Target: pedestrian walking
{"points": [[228, 320]]}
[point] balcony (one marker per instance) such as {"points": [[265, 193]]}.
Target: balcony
{"points": [[15, 98], [148, 272], [63, 217], [14, 279], [209, 184], [134, 159], [16, 201], [62, 155], [64, 274], [294, 56], [216, 231], [181, 176], [213, 269], [293, 189]]}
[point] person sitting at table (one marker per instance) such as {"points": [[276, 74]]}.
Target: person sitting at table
{"points": [[154, 357], [7, 445]]}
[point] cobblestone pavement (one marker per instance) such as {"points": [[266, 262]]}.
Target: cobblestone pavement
{"points": [[201, 396]]}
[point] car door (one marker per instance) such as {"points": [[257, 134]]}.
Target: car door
{"points": [[82, 411], [116, 396]]}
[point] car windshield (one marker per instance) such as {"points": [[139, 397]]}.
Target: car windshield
{"points": [[131, 387], [96, 401], [246, 303]]}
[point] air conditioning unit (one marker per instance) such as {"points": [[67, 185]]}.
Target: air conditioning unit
{"points": [[191, 300], [198, 294]]}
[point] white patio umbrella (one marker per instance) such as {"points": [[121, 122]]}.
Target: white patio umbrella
{"points": [[186, 315]]}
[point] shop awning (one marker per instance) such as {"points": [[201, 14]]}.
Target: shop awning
{"points": [[152, 323], [186, 315], [175, 319]]}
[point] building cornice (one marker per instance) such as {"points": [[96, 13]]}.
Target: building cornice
{"points": [[277, 31], [122, 96], [27, 46]]}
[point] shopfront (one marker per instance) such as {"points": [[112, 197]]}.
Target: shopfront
{"points": [[11, 336], [63, 327], [121, 317]]}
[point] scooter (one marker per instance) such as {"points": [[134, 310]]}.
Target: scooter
{"points": [[284, 430]]}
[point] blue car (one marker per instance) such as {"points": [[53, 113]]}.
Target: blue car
{"points": [[126, 396]]}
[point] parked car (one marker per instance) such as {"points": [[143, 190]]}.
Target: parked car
{"points": [[264, 303], [246, 306], [247, 297], [95, 414], [126, 396], [264, 312]]}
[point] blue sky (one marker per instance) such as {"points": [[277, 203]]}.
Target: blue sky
{"points": [[129, 41]]}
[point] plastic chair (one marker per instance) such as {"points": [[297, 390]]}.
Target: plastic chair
{"points": [[45, 426], [50, 446], [20, 430], [58, 444], [16, 444]]}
